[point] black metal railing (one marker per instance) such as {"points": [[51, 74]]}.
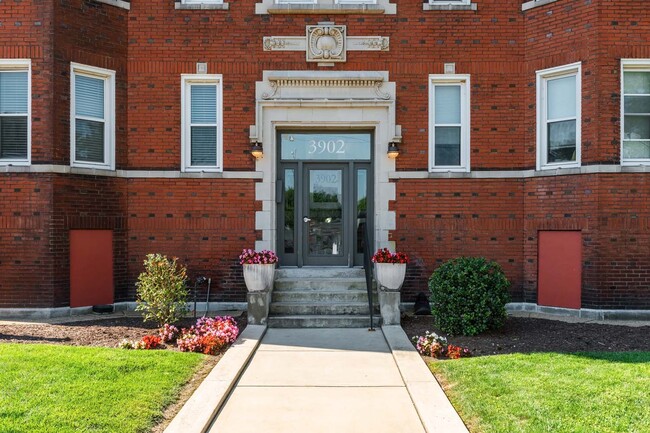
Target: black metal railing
{"points": [[367, 267]]}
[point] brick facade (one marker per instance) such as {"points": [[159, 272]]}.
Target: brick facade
{"points": [[207, 221]]}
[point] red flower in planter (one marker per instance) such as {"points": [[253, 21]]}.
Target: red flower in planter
{"points": [[385, 256]]}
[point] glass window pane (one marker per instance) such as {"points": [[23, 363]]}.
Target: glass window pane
{"points": [[13, 92], [636, 150], [561, 97], [13, 137], [362, 207], [562, 141], [89, 141], [637, 128], [204, 103], [637, 104], [289, 210], [328, 147], [447, 104], [325, 228], [89, 96], [447, 146], [637, 83], [204, 146]]}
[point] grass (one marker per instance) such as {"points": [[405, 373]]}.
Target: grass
{"points": [[550, 392], [45, 388]]}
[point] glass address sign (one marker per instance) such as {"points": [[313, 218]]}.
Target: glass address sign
{"points": [[325, 147]]}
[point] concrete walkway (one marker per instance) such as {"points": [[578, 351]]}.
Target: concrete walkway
{"points": [[330, 380]]}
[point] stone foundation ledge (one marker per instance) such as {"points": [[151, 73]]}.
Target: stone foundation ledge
{"points": [[119, 307], [582, 313]]}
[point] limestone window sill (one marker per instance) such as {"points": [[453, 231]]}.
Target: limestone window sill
{"points": [[535, 3], [326, 7], [202, 6], [449, 7], [116, 3]]}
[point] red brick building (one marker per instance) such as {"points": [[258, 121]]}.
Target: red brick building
{"points": [[523, 130]]}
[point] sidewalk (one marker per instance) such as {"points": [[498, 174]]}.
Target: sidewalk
{"points": [[336, 380]]}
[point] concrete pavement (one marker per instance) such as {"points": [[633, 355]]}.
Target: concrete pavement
{"points": [[342, 380]]}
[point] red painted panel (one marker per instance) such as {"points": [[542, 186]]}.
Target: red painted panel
{"points": [[559, 280], [91, 267]]}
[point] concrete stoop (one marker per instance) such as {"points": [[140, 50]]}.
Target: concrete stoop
{"points": [[321, 298]]}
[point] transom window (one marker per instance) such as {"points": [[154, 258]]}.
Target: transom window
{"points": [[449, 123], [15, 119], [92, 117], [202, 123], [558, 117], [635, 106]]}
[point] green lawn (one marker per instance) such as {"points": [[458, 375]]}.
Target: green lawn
{"points": [[64, 389], [551, 392]]}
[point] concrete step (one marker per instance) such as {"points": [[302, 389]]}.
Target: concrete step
{"points": [[320, 308], [321, 321], [319, 272], [320, 283], [322, 296]]}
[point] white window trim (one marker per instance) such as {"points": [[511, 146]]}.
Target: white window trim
{"points": [[109, 115], [542, 77], [465, 90], [642, 65], [21, 65], [188, 80]]}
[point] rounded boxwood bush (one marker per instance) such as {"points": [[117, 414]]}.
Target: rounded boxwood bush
{"points": [[469, 296]]}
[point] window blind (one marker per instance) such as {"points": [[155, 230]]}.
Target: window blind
{"points": [[14, 105], [448, 125], [203, 134], [13, 92], [89, 119]]}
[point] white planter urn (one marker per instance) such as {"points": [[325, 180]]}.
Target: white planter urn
{"points": [[390, 276], [259, 277]]}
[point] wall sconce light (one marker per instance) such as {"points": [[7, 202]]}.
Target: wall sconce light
{"points": [[393, 150], [257, 150]]}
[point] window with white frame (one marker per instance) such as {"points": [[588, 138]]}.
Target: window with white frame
{"points": [[92, 117], [201, 122], [559, 117], [449, 120], [15, 109], [635, 111]]}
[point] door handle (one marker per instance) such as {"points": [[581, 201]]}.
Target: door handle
{"points": [[306, 219]]}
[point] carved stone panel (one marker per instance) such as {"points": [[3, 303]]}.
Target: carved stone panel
{"points": [[326, 43]]}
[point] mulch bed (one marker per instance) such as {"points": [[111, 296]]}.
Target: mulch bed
{"points": [[100, 332], [526, 335]]}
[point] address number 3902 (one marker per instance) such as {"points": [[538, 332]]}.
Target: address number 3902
{"points": [[322, 146]]}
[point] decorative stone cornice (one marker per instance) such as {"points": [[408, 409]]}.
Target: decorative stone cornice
{"points": [[308, 79]]}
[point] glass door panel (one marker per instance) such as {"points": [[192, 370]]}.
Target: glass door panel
{"points": [[325, 217]]}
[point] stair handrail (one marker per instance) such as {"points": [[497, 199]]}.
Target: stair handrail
{"points": [[367, 267]]}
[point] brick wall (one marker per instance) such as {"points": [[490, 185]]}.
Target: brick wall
{"points": [[206, 222]]}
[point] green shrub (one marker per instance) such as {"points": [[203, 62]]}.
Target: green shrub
{"points": [[161, 288], [468, 296]]}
